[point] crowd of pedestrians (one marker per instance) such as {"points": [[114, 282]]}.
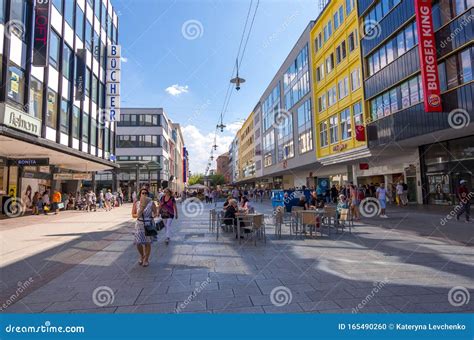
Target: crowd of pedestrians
{"points": [[53, 201]]}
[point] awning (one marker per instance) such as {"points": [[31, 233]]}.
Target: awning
{"points": [[15, 144]]}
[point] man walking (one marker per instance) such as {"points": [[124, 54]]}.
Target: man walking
{"points": [[464, 196]]}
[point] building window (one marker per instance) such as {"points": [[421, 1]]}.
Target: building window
{"points": [[319, 73], [466, 65], [95, 84], [380, 10], [355, 79], [85, 128], [343, 87], [54, 43], [96, 43], [334, 129], [346, 128], [93, 135], [322, 103], [327, 31], [332, 97], [16, 83], [18, 10], [69, 12], [358, 114], [323, 133], [305, 127], [68, 60], [103, 17], [64, 116], [410, 92], [88, 36], [341, 52], [88, 82], [352, 41], [80, 22], [59, 5], [36, 98], [329, 63], [52, 109], [349, 6], [76, 112]]}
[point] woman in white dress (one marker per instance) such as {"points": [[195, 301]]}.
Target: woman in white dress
{"points": [[143, 210]]}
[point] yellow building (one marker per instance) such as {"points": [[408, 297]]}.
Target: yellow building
{"points": [[246, 155], [337, 84]]}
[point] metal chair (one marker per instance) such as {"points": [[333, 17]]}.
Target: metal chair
{"points": [[279, 220], [254, 224], [212, 219], [294, 221]]}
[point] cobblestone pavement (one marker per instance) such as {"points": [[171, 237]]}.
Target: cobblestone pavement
{"points": [[80, 262]]}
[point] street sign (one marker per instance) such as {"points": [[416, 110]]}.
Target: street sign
{"points": [[28, 161]]}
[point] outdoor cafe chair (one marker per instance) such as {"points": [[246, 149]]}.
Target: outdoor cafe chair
{"points": [[254, 224], [279, 220], [294, 222], [212, 219]]}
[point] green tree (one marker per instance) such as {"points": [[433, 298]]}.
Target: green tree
{"points": [[196, 179], [217, 179]]}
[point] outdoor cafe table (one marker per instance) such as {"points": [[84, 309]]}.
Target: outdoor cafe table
{"points": [[243, 216], [299, 213]]}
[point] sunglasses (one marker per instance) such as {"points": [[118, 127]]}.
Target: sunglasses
{"points": [[143, 193]]}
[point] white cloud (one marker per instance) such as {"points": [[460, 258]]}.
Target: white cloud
{"points": [[123, 59], [176, 90], [234, 127], [199, 146]]}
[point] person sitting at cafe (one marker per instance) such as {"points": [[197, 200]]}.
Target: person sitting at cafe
{"points": [[316, 201], [227, 202], [302, 203], [244, 205], [342, 204], [230, 211]]}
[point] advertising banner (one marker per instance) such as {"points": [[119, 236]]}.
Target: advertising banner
{"points": [[112, 103], [427, 52], [41, 33], [81, 74]]}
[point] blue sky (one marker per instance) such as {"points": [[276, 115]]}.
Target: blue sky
{"points": [[179, 55]]}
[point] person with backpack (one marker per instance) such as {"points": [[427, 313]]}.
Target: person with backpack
{"points": [[168, 211]]}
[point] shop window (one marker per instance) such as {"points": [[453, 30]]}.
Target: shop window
{"points": [[52, 109], [36, 98], [16, 83], [64, 117]]}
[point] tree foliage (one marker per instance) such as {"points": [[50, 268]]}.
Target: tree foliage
{"points": [[196, 179]]}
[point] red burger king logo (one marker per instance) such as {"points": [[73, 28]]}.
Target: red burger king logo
{"points": [[434, 100]]}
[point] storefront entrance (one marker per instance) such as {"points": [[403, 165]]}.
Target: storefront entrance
{"points": [[444, 165]]}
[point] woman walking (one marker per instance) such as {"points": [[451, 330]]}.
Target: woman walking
{"points": [[143, 210], [168, 211]]}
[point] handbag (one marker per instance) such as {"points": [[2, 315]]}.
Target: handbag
{"points": [[159, 223], [150, 226]]}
